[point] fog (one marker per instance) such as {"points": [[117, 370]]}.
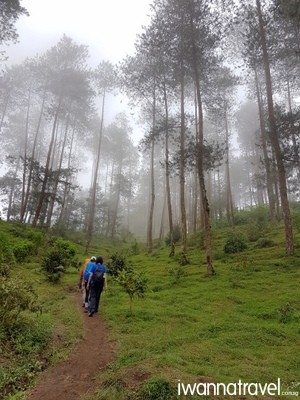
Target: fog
{"points": [[104, 120]]}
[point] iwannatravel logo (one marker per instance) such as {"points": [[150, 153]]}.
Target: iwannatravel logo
{"points": [[234, 389]]}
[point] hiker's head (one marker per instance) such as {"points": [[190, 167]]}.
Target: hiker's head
{"points": [[99, 260], [93, 258]]}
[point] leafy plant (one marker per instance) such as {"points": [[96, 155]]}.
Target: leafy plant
{"points": [[58, 259], [133, 283], [117, 264], [286, 312], [234, 245], [157, 389], [15, 296]]}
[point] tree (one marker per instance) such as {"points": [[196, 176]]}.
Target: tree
{"points": [[10, 11]]}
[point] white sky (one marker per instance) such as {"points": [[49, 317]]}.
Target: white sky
{"points": [[108, 27]]}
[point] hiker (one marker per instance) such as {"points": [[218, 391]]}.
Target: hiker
{"points": [[96, 283], [81, 280], [89, 266]]}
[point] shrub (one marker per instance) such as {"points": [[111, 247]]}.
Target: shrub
{"points": [[58, 259], [234, 245], [6, 250], [15, 296], [117, 264], [133, 283], [157, 389], [22, 250]]}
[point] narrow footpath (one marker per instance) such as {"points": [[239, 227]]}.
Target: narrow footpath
{"points": [[75, 377]]}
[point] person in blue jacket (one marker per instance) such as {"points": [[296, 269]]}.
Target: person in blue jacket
{"points": [[96, 283], [86, 276]]}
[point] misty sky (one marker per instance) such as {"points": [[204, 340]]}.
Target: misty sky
{"points": [[108, 27]]}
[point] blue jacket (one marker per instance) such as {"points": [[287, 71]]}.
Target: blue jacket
{"points": [[88, 270]]}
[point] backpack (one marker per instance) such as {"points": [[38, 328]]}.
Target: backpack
{"points": [[98, 275]]}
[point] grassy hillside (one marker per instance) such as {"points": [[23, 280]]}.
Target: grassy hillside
{"points": [[242, 323]]}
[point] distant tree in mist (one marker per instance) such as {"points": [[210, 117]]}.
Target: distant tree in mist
{"points": [[10, 12]]}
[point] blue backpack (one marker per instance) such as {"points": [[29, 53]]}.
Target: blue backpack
{"points": [[98, 275]]}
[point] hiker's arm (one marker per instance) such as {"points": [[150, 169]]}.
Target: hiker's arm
{"points": [[89, 280], [105, 281]]}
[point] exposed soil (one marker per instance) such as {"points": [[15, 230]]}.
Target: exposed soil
{"points": [[75, 377]]}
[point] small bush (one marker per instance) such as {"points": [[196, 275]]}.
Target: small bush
{"points": [[285, 313], [117, 264], [15, 296], [133, 283], [22, 250], [176, 274], [234, 245], [58, 259], [157, 389]]}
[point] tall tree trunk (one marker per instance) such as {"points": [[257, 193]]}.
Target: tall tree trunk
{"points": [[263, 136], [27, 194], [167, 165], [12, 191], [4, 110], [152, 183], [92, 210], [183, 251], [275, 141], [22, 210], [200, 158], [295, 146], [64, 205], [229, 202], [43, 195], [59, 167]]}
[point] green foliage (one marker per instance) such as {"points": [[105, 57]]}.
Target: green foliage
{"points": [[58, 259], [264, 242], [16, 295], [23, 250], [157, 389], [117, 264], [285, 312], [133, 283], [6, 249], [31, 335], [234, 244], [176, 273], [176, 235]]}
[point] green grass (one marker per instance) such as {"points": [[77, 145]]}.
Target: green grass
{"points": [[242, 323]]}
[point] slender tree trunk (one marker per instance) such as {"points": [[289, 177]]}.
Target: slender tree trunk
{"points": [[275, 141], [12, 191], [200, 158], [229, 202], [152, 183], [59, 168], [167, 163], [94, 186], [26, 198], [183, 252], [4, 111], [22, 210], [295, 146], [265, 151], [43, 194]]}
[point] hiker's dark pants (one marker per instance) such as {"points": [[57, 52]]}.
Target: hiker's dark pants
{"points": [[95, 293], [87, 292]]}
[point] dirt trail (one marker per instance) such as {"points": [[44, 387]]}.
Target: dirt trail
{"points": [[72, 378]]}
